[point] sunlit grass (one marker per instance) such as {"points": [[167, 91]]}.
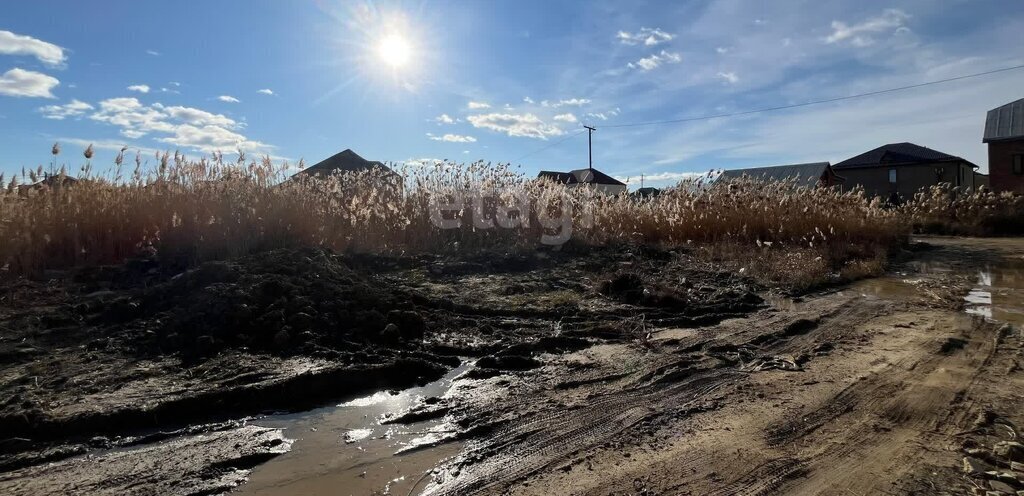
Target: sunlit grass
{"points": [[184, 211]]}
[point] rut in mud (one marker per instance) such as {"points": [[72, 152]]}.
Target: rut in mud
{"points": [[684, 377], [104, 357], [841, 392]]}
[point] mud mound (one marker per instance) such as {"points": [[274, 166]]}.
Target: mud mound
{"points": [[685, 297], [280, 301]]}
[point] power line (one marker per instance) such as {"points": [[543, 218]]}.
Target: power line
{"points": [[815, 102], [563, 140]]}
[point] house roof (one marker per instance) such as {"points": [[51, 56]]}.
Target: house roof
{"points": [[1006, 122], [803, 173], [346, 161], [897, 154], [558, 177], [581, 176]]}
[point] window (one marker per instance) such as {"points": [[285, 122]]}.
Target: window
{"points": [[1018, 164], [892, 176]]}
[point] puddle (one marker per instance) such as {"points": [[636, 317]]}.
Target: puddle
{"points": [[997, 293], [342, 450]]}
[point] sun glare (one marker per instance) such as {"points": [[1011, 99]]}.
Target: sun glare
{"points": [[394, 51]]}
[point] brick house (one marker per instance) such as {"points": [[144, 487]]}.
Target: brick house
{"points": [[1004, 134]]}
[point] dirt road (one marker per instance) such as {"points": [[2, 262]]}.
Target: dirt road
{"points": [[881, 388], [622, 374]]}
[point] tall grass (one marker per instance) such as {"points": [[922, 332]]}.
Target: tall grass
{"points": [[943, 210], [184, 211]]}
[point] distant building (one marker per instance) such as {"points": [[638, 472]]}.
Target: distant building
{"points": [[1004, 134], [346, 161], [586, 177], [814, 174], [899, 170], [647, 192], [50, 181]]}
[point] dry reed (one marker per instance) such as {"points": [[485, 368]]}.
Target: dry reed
{"points": [[185, 211]]}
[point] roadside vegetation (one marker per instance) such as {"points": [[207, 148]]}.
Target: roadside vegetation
{"points": [[185, 211], [939, 210]]}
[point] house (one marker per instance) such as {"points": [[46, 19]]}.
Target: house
{"points": [[1004, 134], [586, 177], [813, 174], [899, 170], [346, 161], [646, 192], [49, 181]]}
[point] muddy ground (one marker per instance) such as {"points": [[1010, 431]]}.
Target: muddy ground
{"points": [[620, 371]]}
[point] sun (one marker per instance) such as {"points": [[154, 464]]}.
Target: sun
{"points": [[394, 50]]}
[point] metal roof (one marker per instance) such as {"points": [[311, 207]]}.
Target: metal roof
{"points": [[809, 173], [581, 176], [1006, 122], [896, 154], [346, 161]]}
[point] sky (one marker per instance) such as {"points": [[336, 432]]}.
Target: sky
{"points": [[502, 81]]}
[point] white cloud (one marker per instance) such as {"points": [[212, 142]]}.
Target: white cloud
{"points": [[141, 88], [604, 115], [478, 105], [572, 102], [527, 99], [228, 99], [422, 162], [153, 53], [722, 50], [660, 178], [729, 77], [135, 119], [453, 138], [19, 82], [647, 36], [75, 108], [16, 44], [444, 119], [185, 127], [196, 116], [566, 117], [522, 125], [210, 139], [266, 91], [890, 19], [655, 61]]}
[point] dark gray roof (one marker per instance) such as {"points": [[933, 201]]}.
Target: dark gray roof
{"points": [[558, 177], [346, 161], [581, 176], [594, 176], [1006, 122], [897, 154], [803, 173]]}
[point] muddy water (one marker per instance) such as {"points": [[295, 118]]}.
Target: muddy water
{"points": [[997, 293], [343, 449]]}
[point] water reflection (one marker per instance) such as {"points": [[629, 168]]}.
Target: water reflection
{"points": [[343, 449]]}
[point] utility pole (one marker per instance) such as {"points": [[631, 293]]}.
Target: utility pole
{"points": [[590, 146]]}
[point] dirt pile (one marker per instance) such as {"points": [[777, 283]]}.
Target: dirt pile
{"points": [[282, 302]]}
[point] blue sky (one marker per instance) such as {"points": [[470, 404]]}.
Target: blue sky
{"points": [[501, 81]]}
